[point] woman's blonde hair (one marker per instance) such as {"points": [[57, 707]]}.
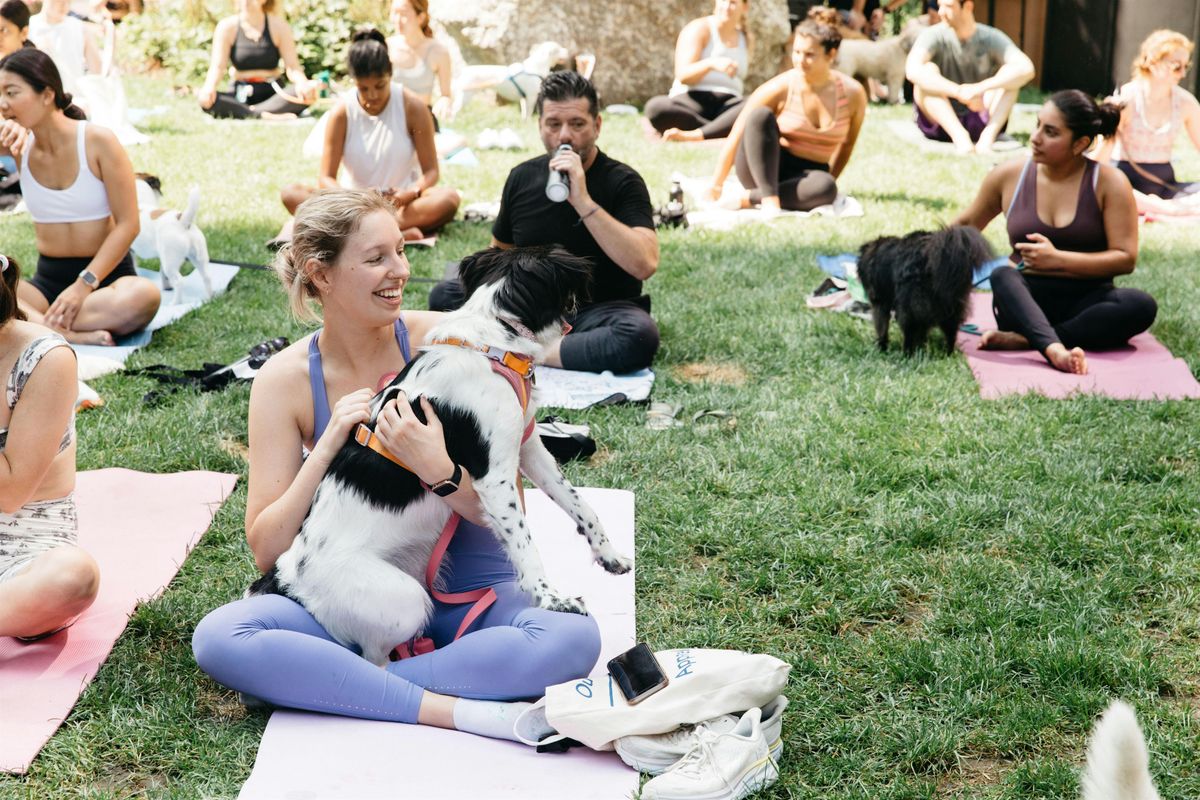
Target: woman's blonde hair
{"points": [[1156, 47], [324, 222]]}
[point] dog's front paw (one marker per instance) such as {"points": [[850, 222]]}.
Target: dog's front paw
{"points": [[615, 563], [552, 601]]}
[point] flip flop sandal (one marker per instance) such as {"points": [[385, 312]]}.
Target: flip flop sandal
{"points": [[715, 418], [661, 416]]}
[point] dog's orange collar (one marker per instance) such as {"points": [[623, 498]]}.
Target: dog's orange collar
{"points": [[517, 362], [370, 440]]}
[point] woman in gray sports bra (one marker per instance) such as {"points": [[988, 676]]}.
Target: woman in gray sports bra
{"points": [[1073, 227], [45, 579]]}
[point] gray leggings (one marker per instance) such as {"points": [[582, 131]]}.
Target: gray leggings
{"points": [[767, 170]]}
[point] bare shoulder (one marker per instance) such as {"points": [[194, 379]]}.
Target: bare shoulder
{"points": [[283, 379], [226, 28], [278, 25], [1111, 180], [854, 90], [1006, 172], [419, 323]]}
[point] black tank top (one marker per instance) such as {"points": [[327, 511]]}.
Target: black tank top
{"points": [[1084, 234], [247, 54]]}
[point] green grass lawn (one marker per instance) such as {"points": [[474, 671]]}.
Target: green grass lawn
{"points": [[960, 585]]}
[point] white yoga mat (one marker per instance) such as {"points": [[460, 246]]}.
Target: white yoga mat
{"points": [[568, 388], [906, 130], [322, 757], [710, 216], [193, 297]]}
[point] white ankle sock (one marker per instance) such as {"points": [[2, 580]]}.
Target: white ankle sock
{"points": [[488, 717]]}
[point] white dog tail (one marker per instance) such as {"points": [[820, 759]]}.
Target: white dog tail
{"points": [[1118, 765], [193, 208]]}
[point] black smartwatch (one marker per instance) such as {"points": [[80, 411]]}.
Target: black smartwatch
{"points": [[448, 486], [89, 278]]}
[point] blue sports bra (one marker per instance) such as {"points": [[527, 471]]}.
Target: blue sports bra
{"points": [[316, 376]]}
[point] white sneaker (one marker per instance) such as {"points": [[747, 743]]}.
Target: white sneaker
{"points": [[657, 753], [720, 766]]}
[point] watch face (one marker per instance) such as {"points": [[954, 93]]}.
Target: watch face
{"points": [[88, 278]]}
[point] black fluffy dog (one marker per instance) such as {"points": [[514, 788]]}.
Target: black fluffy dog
{"points": [[925, 277]]}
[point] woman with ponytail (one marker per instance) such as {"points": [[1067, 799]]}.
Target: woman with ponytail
{"points": [[418, 60], [382, 134], [78, 186], [45, 579], [1073, 227], [14, 26]]}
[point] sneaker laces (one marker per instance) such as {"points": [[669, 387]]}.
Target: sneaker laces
{"points": [[693, 760]]}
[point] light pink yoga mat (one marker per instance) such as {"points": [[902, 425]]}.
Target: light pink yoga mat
{"points": [[1143, 370], [319, 756], [139, 527]]}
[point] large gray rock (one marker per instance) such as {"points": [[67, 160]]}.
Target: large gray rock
{"points": [[633, 40]]}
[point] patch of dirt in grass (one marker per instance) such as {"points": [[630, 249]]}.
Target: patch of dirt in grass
{"points": [[599, 457], [235, 448], [220, 706], [728, 374], [126, 783], [973, 774]]}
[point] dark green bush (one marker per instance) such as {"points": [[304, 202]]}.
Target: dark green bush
{"points": [[176, 35]]}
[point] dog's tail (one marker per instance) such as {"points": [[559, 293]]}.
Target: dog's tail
{"points": [[193, 208], [1117, 761]]}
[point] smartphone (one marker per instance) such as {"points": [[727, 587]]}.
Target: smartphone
{"points": [[637, 673]]}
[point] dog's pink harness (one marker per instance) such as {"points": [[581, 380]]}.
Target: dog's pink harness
{"points": [[517, 369]]}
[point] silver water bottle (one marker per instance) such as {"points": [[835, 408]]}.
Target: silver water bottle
{"points": [[558, 186]]}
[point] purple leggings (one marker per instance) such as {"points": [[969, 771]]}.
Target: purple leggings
{"points": [[270, 647]]}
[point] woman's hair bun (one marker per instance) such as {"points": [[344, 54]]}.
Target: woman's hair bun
{"points": [[368, 33], [1108, 118], [64, 100]]}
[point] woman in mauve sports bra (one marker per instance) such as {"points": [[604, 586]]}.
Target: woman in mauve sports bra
{"points": [[254, 41], [1073, 227], [78, 187], [796, 132]]}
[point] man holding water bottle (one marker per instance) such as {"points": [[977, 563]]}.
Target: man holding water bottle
{"points": [[594, 206]]}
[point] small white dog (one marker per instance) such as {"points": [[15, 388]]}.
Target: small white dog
{"points": [[516, 83], [1118, 766], [882, 60], [170, 237]]}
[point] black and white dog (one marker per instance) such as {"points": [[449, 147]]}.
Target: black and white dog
{"points": [[359, 560], [925, 277]]}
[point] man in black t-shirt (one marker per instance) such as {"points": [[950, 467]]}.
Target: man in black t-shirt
{"points": [[606, 218]]}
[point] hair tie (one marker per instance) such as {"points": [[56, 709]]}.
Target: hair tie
{"points": [[3, 263]]}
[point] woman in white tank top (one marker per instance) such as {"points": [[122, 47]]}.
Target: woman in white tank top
{"points": [[78, 185], [419, 61], [712, 57], [381, 137]]}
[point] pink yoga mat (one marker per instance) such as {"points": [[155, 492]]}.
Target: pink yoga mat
{"points": [[139, 527], [327, 757], [1143, 370]]}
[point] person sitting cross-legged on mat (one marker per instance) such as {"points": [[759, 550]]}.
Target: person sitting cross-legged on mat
{"points": [[46, 581], [382, 135], [797, 131], [1073, 227], [254, 41], [966, 78], [712, 56], [606, 218], [79, 188], [347, 255]]}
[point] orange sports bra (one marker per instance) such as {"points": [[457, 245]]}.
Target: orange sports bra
{"points": [[801, 137]]}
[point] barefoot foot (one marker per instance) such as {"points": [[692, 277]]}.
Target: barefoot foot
{"points": [[413, 234], [1073, 360], [102, 338], [676, 135], [1003, 340]]}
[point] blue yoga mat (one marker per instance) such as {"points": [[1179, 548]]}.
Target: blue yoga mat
{"points": [[836, 266]]}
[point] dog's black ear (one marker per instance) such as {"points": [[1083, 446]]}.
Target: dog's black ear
{"points": [[151, 180], [480, 268]]}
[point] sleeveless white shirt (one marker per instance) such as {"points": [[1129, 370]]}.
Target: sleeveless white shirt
{"points": [[378, 153]]}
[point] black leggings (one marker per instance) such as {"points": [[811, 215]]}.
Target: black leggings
{"points": [[616, 335], [767, 170], [250, 100], [1092, 314], [713, 113]]}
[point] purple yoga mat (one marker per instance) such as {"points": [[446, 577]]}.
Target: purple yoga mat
{"points": [[1143, 370]]}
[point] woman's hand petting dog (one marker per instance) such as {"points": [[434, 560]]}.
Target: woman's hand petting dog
{"points": [[353, 409], [1040, 254], [420, 445]]}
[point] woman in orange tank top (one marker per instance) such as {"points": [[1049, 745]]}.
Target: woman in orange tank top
{"points": [[797, 131]]}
